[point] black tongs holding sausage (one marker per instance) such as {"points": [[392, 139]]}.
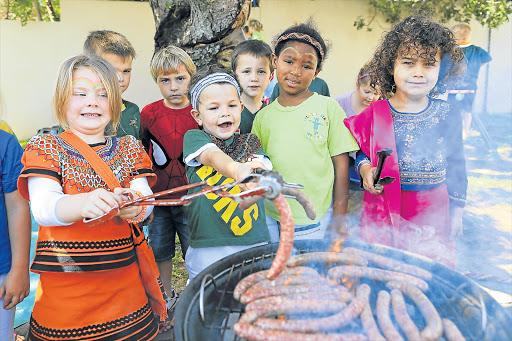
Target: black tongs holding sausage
{"points": [[378, 182]]}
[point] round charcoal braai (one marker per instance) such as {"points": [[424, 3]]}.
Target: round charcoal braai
{"points": [[207, 310]]}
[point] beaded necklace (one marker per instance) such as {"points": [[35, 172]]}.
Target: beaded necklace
{"points": [[242, 148]]}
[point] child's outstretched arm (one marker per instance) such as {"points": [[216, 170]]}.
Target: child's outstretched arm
{"points": [[16, 285], [225, 165], [93, 204], [338, 225]]}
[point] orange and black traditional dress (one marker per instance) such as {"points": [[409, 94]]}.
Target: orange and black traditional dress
{"points": [[89, 287]]}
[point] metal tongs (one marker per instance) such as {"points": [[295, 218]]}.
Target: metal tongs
{"points": [[268, 185], [379, 182]]}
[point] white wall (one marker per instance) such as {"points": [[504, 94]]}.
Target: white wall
{"points": [[30, 56]]}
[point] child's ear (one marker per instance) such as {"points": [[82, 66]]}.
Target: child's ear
{"points": [[195, 114], [274, 61]]}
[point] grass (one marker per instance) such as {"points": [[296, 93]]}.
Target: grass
{"points": [[179, 270]]}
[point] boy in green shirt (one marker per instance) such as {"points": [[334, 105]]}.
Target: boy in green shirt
{"points": [[218, 227]]}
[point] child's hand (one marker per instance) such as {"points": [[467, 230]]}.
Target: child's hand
{"points": [[337, 228], [245, 169], [456, 229], [15, 287], [129, 212], [367, 173], [99, 202]]}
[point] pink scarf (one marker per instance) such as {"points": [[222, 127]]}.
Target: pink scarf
{"points": [[373, 130]]}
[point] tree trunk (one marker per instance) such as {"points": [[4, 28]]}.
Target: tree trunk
{"points": [[51, 11], [207, 30], [37, 8]]}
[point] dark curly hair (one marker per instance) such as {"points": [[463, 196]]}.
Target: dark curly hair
{"points": [[418, 35], [310, 29], [208, 70]]}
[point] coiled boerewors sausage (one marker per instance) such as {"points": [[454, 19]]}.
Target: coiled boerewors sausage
{"points": [[352, 311], [376, 274], [255, 294], [451, 332], [434, 327], [384, 319], [293, 280], [254, 333], [407, 325], [369, 324], [259, 276], [280, 305], [327, 258], [390, 264]]}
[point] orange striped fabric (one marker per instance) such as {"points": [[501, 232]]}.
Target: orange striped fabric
{"points": [[90, 287]]}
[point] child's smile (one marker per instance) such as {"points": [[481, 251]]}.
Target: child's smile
{"points": [[416, 76], [219, 110], [88, 111], [296, 68]]}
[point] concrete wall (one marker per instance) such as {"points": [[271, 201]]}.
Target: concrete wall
{"points": [[30, 56]]}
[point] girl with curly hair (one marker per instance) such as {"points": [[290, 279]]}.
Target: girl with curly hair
{"points": [[421, 211]]}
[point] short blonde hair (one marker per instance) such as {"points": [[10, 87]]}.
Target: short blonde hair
{"points": [[462, 30], [98, 43], [169, 59], [64, 87]]}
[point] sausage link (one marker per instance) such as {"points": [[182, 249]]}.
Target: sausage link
{"points": [[369, 324], [434, 327], [352, 311], [255, 294], [285, 240], [384, 319], [293, 280], [408, 327], [254, 333], [327, 258], [343, 296], [279, 305], [259, 276], [375, 274], [390, 264], [302, 199], [451, 332]]}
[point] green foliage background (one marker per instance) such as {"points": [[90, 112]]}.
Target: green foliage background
{"points": [[490, 13], [25, 10]]}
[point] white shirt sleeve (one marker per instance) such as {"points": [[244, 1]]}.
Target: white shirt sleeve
{"points": [[44, 195], [190, 159], [141, 185]]}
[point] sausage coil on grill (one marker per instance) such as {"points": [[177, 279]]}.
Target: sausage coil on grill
{"points": [[451, 332], [390, 264], [434, 328], [259, 276], [327, 258], [351, 312], [405, 322], [384, 319], [292, 281], [375, 274], [279, 305], [255, 294], [254, 333], [369, 324]]}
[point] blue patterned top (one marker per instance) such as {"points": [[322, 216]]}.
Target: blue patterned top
{"points": [[430, 150]]}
